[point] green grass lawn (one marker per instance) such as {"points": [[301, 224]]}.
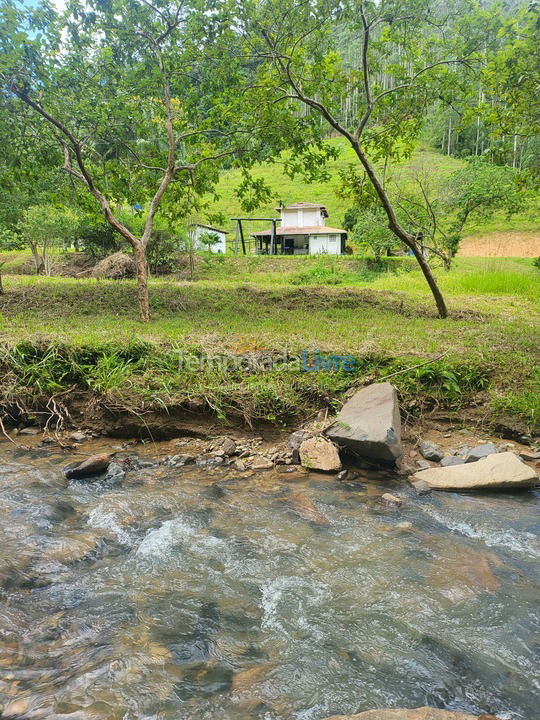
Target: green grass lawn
{"points": [[62, 332]]}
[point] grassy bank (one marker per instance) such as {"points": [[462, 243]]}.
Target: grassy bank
{"points": [[61, 334]]}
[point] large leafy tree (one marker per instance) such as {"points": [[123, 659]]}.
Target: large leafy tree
{"points": [[409, 55], [132, 96]]}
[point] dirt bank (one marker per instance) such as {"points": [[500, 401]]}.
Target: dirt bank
{"points": [[525, 244]]}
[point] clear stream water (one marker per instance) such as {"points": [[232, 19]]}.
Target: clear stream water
{"points": [[192, 594]]}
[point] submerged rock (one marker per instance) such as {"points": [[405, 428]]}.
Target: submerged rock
{"points": [[423, 713], [501, 471], [390, 499], [302, 506], [430, 451], [480, 451], [94, 465], [369, 424], [317, 453]]}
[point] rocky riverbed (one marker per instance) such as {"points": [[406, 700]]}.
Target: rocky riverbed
{"points": [[192, 579]]}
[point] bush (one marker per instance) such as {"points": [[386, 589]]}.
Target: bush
{"points": [[11, 240], [98, 238]]}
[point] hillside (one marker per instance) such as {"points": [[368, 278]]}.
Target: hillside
{"points": [[286, 190]]}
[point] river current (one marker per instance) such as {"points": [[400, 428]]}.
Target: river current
{"points": [[192, 593]]}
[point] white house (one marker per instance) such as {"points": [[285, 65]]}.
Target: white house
{"points": [[303, 231], [198, 229]]}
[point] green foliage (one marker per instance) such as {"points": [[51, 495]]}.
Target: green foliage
{"points": [[370, 232], [97, 237], [11, 240], [46, 226], [480, 188]]}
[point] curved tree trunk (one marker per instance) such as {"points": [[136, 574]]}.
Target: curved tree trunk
{"points": [[142, 283], [398, 230], [409, 240]]}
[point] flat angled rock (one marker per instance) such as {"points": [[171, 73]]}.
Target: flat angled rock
{"points": [[423, 713], [501, 471], [369, 424]]}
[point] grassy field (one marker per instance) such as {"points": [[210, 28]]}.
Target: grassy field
{"points": [[62, 333], [286, 190]]}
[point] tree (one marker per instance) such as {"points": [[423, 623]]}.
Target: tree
{"points": [[439, 211], [479, 189], [46, 226], [129, 94], [511, 77], [409, 53]]}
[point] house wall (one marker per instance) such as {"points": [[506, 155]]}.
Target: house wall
{"points": [[325, 244], [220, 247], [306, 217]]}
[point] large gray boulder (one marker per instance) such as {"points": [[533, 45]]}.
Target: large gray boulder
{"points": [[423, 713], [501, 471], [369, 424]]}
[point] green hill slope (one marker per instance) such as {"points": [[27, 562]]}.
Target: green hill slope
{"points": [[287, 191]]}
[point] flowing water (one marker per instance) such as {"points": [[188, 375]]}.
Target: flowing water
{"points": [[192, 593]]}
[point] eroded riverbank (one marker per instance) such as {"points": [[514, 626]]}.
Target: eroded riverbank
{"points": [[203, 592]]}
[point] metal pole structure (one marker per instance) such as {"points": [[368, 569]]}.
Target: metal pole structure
{"points": [[273, 237], [236, 238], [242, 236]]}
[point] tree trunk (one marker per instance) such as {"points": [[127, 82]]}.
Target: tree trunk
{"points": [[396, 228], [430, 279], [142, 284]]}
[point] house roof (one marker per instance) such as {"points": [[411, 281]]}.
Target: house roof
{"points": [[313, 230], [209, 227]]}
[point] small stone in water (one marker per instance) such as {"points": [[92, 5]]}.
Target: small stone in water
{"points": [[16, 708], [392, 499], [30, 431], [404, 526], [262, 463], [78, 436], [94, 465]]}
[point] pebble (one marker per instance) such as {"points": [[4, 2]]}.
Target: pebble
{"points": [[78, 436], [392, 499], [262, 463], [229, 446]]}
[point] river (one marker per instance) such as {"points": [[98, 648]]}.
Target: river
{"points": [[195, 593]]}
